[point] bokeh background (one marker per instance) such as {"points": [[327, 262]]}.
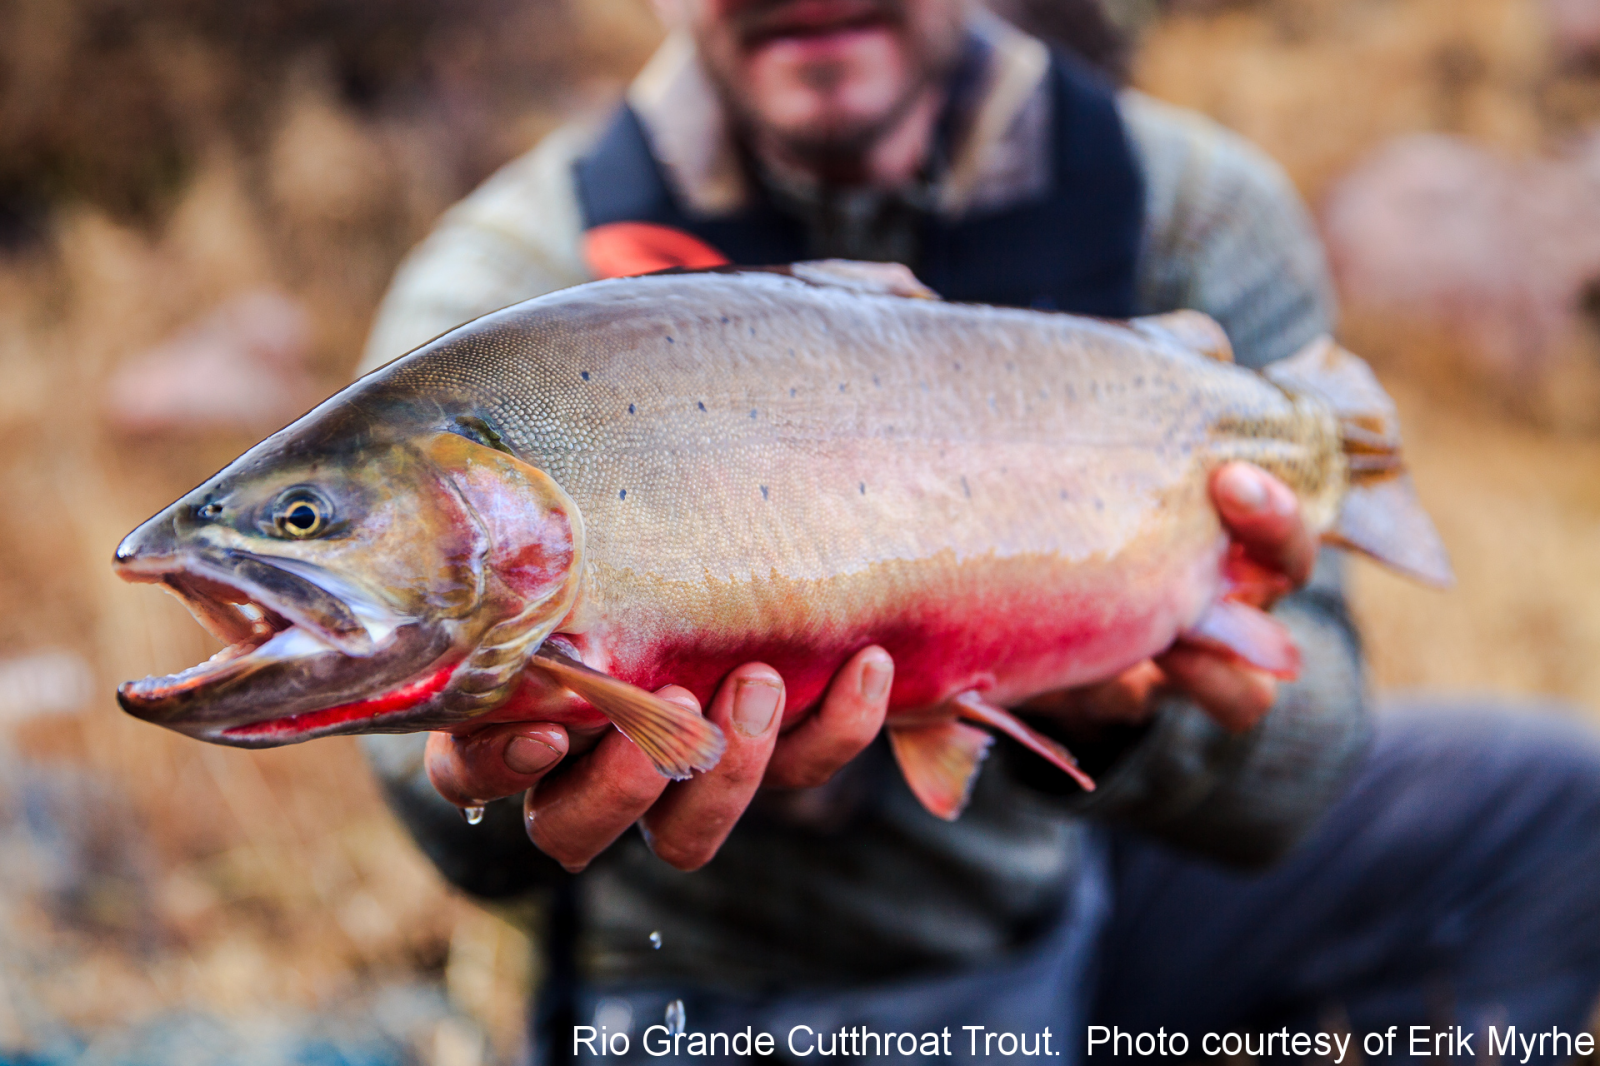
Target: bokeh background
{"points": [[200, 205]]}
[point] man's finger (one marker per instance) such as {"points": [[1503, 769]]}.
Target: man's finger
{"points": [[1262, 515], [850, 716], [1233, 693], [494, 762], [579, 813], [692, 818]]}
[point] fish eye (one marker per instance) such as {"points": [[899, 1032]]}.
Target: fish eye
{"points": [[301, 513]]}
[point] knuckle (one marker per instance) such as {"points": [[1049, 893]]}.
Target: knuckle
{"points": [[809, 775]]}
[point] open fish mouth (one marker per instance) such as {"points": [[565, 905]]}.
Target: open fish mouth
{"points": [[304, 655]]}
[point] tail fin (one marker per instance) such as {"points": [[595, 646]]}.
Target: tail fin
{"points": [[1381, 515]]}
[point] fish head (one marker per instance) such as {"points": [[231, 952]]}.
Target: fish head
{"points": [[363, 580]]}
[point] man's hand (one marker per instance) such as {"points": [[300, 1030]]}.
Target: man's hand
{"points": [[576, 814], [1262, 515]]}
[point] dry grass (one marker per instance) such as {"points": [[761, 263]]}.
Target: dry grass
{"points": [[277, 876]]}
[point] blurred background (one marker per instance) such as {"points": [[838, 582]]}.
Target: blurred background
{"points": [[200, 205]]}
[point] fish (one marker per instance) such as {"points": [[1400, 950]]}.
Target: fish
{"points": [[551, 512]]}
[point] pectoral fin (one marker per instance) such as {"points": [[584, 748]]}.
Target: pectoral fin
{"points": [[940, 762], [1250, 634], [677, 740], [975, 708]]}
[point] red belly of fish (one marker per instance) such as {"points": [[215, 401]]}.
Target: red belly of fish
{"points": [[1008, 646]]}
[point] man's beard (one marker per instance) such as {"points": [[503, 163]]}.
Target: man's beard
{"points": [[836, 152]]}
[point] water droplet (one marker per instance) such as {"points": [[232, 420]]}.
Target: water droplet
{"points": [[473, 815], [675, 1017], [655, 940]]}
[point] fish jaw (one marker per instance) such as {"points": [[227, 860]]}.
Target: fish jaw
{"points": [[306, 652]]}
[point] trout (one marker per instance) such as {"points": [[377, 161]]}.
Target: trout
{"points": [[552, 511]]}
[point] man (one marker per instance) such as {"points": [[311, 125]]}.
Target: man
{"points": [[799, 884]]}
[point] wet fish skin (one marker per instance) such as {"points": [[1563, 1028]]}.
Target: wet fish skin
{"points": [[730, 466]]}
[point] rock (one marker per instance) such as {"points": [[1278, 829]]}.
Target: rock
{"points": [[1499, 257], [1574, 27]]}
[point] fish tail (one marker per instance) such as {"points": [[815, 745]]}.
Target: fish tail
{"points": [[1381, 515]]}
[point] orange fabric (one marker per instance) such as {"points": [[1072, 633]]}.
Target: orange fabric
{"points": [[624, 249]]}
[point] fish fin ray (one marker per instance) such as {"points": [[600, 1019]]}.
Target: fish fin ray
{"points": [[974, 708], [1381, 515], [940, 763], [1194, 330], [1342, 380], [1247, 633], [677, 740], [886, 279], [1385, 520]]}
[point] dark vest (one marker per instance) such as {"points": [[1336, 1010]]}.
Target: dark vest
{"points": [[1074, 248]]}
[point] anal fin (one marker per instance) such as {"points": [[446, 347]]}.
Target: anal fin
{"points": [[975, 708], [1248, 633], [940, 763], [677, 740]]}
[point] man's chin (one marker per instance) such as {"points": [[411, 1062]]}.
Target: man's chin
{"points": [[826, 106]]}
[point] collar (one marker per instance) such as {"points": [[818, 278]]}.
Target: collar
{"points": [[998, 156]]}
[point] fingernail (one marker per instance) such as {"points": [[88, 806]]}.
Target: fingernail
{"points": [[755, 704], [1246, 490], [875, 677], [525, 755]]}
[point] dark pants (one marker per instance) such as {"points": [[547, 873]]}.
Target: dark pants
{"points": [[1457, 882]]}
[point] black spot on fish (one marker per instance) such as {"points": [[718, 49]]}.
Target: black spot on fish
{"points": [[763, 492], [584, 374], [958, 367], [965, 488], [752, 414], [623, 495], [671, 341], [876, 382], [630, 408], [863, 488], [701, 405], [791, 392], [724, 320]]}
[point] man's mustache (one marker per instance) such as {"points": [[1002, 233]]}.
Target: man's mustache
{"points": [[757, 20]]}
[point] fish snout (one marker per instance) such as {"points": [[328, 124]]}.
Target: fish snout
{"points": [[148, 552]]}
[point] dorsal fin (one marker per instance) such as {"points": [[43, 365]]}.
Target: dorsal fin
{"points": [[887, 279], [1194, 330]]}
